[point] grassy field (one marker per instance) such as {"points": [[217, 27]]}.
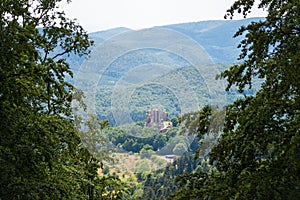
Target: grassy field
{"points": [[127, 165]]}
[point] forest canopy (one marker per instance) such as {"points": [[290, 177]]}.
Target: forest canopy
{"points": [[257, 156], [41, 156], [255, 153]]}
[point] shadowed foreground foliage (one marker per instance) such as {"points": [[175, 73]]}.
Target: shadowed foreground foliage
{"points": [[258, 156], [41, 156]]}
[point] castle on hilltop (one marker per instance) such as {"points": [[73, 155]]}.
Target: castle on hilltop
{"points": [[158, 119]]}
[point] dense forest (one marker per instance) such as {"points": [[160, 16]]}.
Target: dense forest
{"points": [[248, 149], [156, 94]]}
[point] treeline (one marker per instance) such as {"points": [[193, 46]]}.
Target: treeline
{"points": [[257, 155], [164, 182], [130, 142], [41, 154], [135, 138], [148, 95], [160, 184]]}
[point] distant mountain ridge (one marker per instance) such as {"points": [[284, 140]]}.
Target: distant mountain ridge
{"points": [[123, 61], [100, 36], [215, 36]]}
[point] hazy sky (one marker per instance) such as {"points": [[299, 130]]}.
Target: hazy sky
{"points": [[95, 15]]}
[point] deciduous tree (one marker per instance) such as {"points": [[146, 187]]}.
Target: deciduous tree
{"points": [[258, 154], [38, 138]]}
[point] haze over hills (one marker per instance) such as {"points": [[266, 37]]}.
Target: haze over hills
{"points": [[101, 36], [133, 70], [215, 36]]}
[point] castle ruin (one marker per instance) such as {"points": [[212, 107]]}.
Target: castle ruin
{"points": [[156, 118]]}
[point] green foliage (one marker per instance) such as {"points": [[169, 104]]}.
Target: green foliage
{"points": [[146, 151], [131, 137], [206, 124], [257, 156], [105, 170], [180, 149], [112, 188], [161, 183], [148, 95], [38, 138], [41, 156]]}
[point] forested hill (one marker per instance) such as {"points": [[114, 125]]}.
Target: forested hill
{"points": [[119, 53], [215, 36]]}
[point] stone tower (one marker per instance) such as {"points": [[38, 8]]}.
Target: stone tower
{"points": [[155, 118]]}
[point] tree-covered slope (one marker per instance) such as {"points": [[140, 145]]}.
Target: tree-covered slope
{"points": [[153, 65], [215, 36]]}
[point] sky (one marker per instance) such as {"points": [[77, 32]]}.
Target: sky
{"points": [[96, 15]]}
